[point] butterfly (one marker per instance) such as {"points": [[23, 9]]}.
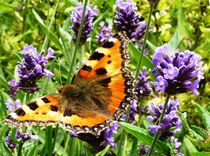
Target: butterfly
{"points": [[99, 94]]}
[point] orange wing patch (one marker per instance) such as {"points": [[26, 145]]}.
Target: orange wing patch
{"points": [[121, 88], [106, 60], [42, 110], [46, 111]]}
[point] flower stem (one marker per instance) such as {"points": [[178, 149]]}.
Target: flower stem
{"points": [[160, 120], [46, 40], [20, 148], [55, 133], [123, 137], [25, 18], [144, 42], [77, 41]]}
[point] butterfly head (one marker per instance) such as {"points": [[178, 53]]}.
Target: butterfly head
{"points": [[71, 92]]}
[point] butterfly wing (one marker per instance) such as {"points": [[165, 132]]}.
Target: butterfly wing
{"points": [[108, 66], [48, 110]]}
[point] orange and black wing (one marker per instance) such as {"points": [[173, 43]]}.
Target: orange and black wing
{"points": [[48, 110], [108, 65]]}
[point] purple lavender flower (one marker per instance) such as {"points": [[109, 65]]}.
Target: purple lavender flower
{"points": [[11, 144], [13, 87], [76, 18], [178, 73], [177, 145], [146, 51], [133, 110], [25, 136], [13, 105], [143, 86], [73, 134], [30, 70], [105, 33], [108, 134], [144, 150], [171, 123], [20, 136], [127, 20]]}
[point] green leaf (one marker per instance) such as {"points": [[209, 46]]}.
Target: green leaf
{"points": [[3, 81], [183, 26], [200, 131], [204, 49], [144, 136], [204, 114], [135, 55], [5, 8], [189, 145], [103, 152], [151, 46], [174, 43], [201, 154], [184, 121], [52, 36]]}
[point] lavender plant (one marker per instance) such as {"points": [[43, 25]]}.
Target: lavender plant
{"points": [[76, 18], [105, 32], [30, 70], [127, 20], [178, 73], [171, 123], [20, 137]]}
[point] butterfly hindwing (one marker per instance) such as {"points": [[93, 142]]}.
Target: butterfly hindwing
{"points": [[48, 111], [42, 110]]}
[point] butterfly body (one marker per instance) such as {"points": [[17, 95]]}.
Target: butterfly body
{"points": [[82, 97], [99, 93]]}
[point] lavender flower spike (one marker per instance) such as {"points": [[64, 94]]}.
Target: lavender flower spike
{"points": [[76, 18], [171, 123], [143, 86], [30, 70], [127, 20], [177, 145], [105, 33], [13, 106], [21, 136], [108, 134], [177, 73]]}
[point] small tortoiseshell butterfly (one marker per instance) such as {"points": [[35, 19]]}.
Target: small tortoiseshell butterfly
{"points": [[98, 94]]}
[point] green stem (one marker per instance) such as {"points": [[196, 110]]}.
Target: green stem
{"points": [[46, 40], [3, 108], [20, 148], [144, 42], [48, 140], [67, 143], [160, 121], [55, 136], [25, 17], [123, 138], [77, 41]]}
